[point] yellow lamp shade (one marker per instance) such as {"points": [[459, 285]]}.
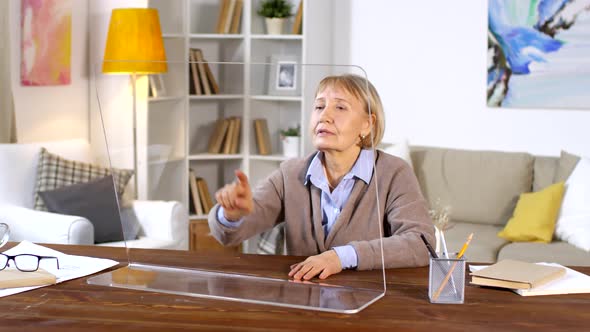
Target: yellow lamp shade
{"points": [[134, 43]]}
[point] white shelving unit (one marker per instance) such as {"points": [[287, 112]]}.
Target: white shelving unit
{"points": [[186, 122]]}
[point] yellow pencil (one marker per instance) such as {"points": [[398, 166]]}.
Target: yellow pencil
{"points": [[446, 279], [462, 251]]}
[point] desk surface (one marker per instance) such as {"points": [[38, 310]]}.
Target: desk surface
{"points": [[74, 305]]}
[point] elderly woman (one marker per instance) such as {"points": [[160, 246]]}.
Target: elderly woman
{"points": [[338, 201]]}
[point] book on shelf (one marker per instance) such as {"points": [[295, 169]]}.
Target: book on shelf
{"points": [[235, 140], [229, 136], [225, 137], [217, 136], [515, 274], [232, 139], [235, 22], [197, 54], [222, 17], [262, 137], [191, 85], [206, 76], [12, 278], [191, 206], [210, 78], [194, 84], [298, 19], [229, 16], [194, 191], [206, 200]]}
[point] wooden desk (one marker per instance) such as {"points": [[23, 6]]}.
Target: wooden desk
{"points": [[76, 306]]}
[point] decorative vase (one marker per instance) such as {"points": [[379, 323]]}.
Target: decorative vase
{"points": [[274, 25], [291, 146]]}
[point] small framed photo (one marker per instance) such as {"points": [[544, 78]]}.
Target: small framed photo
{"points": [[283, 75], [157, 88]]}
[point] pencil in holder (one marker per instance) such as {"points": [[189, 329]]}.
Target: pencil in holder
{"points": [[446, 280]]}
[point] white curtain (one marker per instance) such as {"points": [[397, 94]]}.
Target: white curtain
{"points": [[7, 116]]}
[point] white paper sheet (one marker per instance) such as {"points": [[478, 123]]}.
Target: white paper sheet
{"points": [[70, 266]]}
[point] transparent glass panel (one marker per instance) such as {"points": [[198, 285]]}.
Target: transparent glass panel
{"points": [[184, 133], [171, 14]]}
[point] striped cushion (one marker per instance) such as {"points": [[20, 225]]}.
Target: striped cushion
{"points": [[55, 172]]}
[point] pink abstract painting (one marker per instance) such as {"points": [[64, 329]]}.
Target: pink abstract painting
{"points": [[46, 42]]}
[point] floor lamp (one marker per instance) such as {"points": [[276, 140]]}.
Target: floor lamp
{"points": [[134, 47]]}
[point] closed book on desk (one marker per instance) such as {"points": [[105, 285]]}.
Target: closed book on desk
{"points": [[10, 278], [516, 275], [573, 282]]}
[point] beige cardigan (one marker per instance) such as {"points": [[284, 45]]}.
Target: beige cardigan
{"points": [[284, 197]]}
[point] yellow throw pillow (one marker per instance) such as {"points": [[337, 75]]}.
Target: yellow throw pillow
{"points": [[535, 216]]}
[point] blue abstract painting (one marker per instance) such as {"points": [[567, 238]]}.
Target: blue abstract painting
{"points": [[539, 54]]}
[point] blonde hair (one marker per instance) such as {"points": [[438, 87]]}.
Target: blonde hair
{"points": [[365, 92]]}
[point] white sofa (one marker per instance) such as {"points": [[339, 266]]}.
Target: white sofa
{"points": [[164, 224]]}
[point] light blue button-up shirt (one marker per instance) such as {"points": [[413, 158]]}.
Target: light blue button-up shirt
{"points": [[333, 202]]}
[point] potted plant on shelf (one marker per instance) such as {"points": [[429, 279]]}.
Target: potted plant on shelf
{"points": [[290, 138], [275, 13]]}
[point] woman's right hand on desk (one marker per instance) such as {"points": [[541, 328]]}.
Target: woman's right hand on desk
{"points": [[236, 198]]}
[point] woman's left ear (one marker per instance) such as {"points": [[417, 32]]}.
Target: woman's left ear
{"points": [[372, 121]]}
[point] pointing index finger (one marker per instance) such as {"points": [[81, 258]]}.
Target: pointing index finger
{"points": [[242, 179]]}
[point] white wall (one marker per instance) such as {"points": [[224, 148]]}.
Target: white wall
{"points": [[427, 58], [52, 112]]}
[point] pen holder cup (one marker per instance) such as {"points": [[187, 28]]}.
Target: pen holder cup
{"points": [[446, 280]]}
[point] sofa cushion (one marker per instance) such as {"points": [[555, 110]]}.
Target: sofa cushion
{"points": [[535, 216], [17, 174], [129, 222], [554, 252], [565, 166], [400, 150], [480, 186], [54, 172], [94, 200], [544, 172], [18, 167], [483, 248], [573, 225]]}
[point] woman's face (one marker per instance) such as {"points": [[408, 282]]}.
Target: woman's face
{"points": [[337, 120]]}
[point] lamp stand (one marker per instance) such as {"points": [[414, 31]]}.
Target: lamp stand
{"points": [[135, 168]]}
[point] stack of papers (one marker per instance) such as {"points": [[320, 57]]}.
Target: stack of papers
{"points": [[70, 266], [571, 282]]}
